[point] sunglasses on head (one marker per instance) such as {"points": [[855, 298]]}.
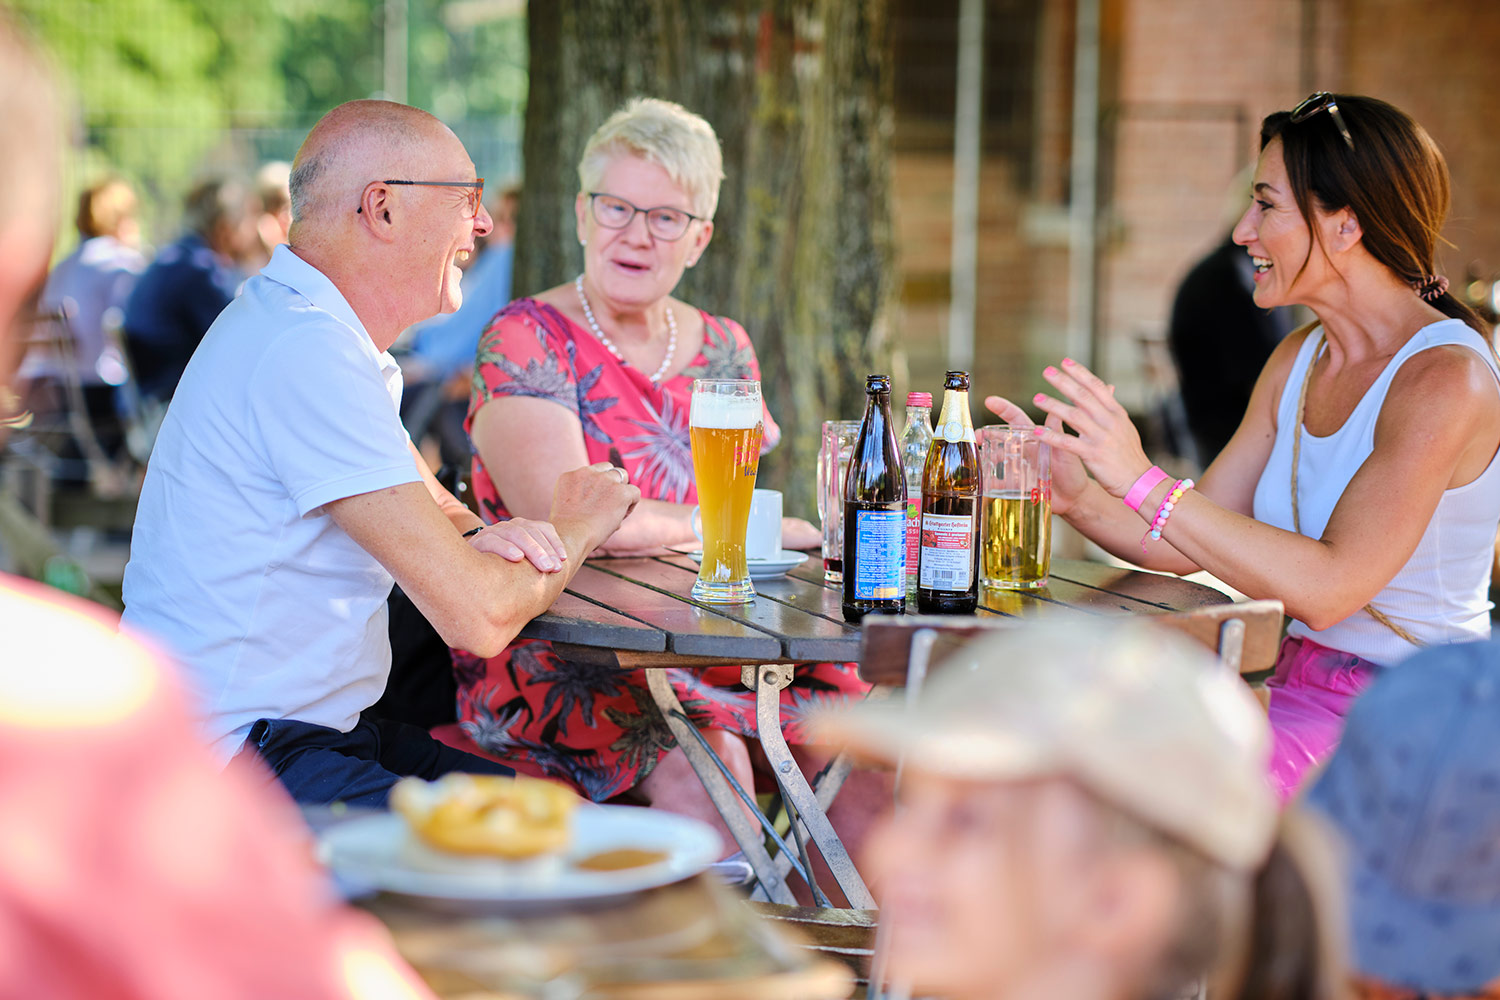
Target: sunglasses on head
{"points": [[1322, 101]]}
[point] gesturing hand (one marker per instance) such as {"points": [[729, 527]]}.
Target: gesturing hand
{"points": [[519, 539], [1107, 442], [1068, 476]]}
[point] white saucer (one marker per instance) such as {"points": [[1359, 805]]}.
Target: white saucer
{"points": [[767, 569]]}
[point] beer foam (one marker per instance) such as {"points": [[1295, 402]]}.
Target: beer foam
{"points": [[725, 412]]}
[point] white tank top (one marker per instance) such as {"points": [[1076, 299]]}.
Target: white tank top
{"points": [[1441, 595]]}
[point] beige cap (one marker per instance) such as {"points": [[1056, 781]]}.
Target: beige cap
{"points": [[1141, 716]]}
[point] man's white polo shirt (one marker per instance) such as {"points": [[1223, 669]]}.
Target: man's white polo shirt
{"points": [[273, 611]]}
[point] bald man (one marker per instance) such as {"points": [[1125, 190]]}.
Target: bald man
{"points": [[283, 497]]}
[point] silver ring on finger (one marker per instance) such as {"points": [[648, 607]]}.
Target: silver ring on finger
{"points": [[624, 475]]}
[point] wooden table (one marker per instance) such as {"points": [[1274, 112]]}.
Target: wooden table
{"points": [[637, 613]]}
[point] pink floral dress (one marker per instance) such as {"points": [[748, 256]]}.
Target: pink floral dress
{"points": [[597, 727]]}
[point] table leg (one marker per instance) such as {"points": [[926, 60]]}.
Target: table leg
{"points": [[769, 681], [746, 833], [834, 776]]}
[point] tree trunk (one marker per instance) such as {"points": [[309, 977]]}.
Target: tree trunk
{"points": [[799, 94]]}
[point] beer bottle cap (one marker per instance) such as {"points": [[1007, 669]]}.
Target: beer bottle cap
{"points": [[919, 399]]}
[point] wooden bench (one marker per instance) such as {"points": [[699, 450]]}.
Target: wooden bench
{"points": [[1244, 636]]}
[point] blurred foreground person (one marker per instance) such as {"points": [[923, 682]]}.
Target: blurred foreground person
{"points": [[130, 867], [1085, 814], [284, 498], [1414, 789], [188, 285]]}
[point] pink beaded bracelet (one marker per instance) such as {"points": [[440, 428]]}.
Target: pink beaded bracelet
{"points": [[1165, 511], [1136, 495]]}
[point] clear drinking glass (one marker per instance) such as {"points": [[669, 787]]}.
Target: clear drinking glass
{"points": [[725, 427], [1016, 470], [839, 438]]}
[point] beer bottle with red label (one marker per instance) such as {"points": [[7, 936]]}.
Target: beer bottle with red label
{"points": [[948, 559], [875, 513]]}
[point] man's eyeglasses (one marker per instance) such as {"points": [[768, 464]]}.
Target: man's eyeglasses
{"points": [[475, 194], [617, 213], [1322, 101]]}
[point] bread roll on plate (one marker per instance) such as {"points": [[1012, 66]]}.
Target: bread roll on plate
{"points": [[487, 816]]}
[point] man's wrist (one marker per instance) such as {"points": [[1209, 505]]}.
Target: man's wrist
{"points": [[577, 536]]}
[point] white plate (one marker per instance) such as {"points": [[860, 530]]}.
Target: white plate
{"points": [[766, 569], [381, 851]]}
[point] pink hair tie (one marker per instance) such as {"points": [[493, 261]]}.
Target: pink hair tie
{"points": [[1136, 495], [1432, 287]]}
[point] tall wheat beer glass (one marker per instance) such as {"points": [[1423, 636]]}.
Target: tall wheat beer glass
{"points": [[725, 426]]}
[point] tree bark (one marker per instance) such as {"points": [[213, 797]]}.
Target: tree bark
{"points": [[799, 94]]}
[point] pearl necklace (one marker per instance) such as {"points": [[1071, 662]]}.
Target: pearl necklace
{"points": [[609, 345]]}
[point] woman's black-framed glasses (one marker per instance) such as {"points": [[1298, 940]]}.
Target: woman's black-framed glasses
{"points": [[616, 213], [1323, 101], [476, 191]]}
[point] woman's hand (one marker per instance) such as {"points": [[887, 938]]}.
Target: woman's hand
{"points": [[799, 535], [519, 539], [1107, 442], [1069, 479]]}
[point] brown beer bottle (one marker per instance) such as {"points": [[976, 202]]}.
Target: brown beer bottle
{"points": [[948, 567], [875, 513]]}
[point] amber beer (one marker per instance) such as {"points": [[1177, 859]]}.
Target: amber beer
{"points": [[948, 570], [1017, 540], [725, 427], [1017, 546]]}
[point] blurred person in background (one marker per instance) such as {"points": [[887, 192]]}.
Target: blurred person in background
{"points": [[1414, 792], [1220, 338], [1084, 813], [283, 498], [273, 220], [188, 285], [1362, 488], [88, 290], [131, 868], [439, 367]]}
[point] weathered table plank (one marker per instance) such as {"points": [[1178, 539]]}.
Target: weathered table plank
{"points": [[572, 616], [692, 629]]}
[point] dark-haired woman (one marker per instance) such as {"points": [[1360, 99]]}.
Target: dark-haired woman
{"points": [[1361, 489]]}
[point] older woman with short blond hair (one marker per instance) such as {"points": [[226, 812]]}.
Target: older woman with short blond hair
{"points": [[601, 368]]}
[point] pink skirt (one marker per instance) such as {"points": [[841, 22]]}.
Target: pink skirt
{"points": [[1310, 695]]}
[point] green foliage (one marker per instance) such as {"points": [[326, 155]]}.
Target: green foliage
{"points": [[172, 89], [159, 80]]}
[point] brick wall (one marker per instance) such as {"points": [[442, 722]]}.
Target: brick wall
{"points": [[1187, 84], [1448, 55]]}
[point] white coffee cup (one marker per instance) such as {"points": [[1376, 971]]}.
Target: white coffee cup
{"points": [[762, 529], [763, 532]]}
